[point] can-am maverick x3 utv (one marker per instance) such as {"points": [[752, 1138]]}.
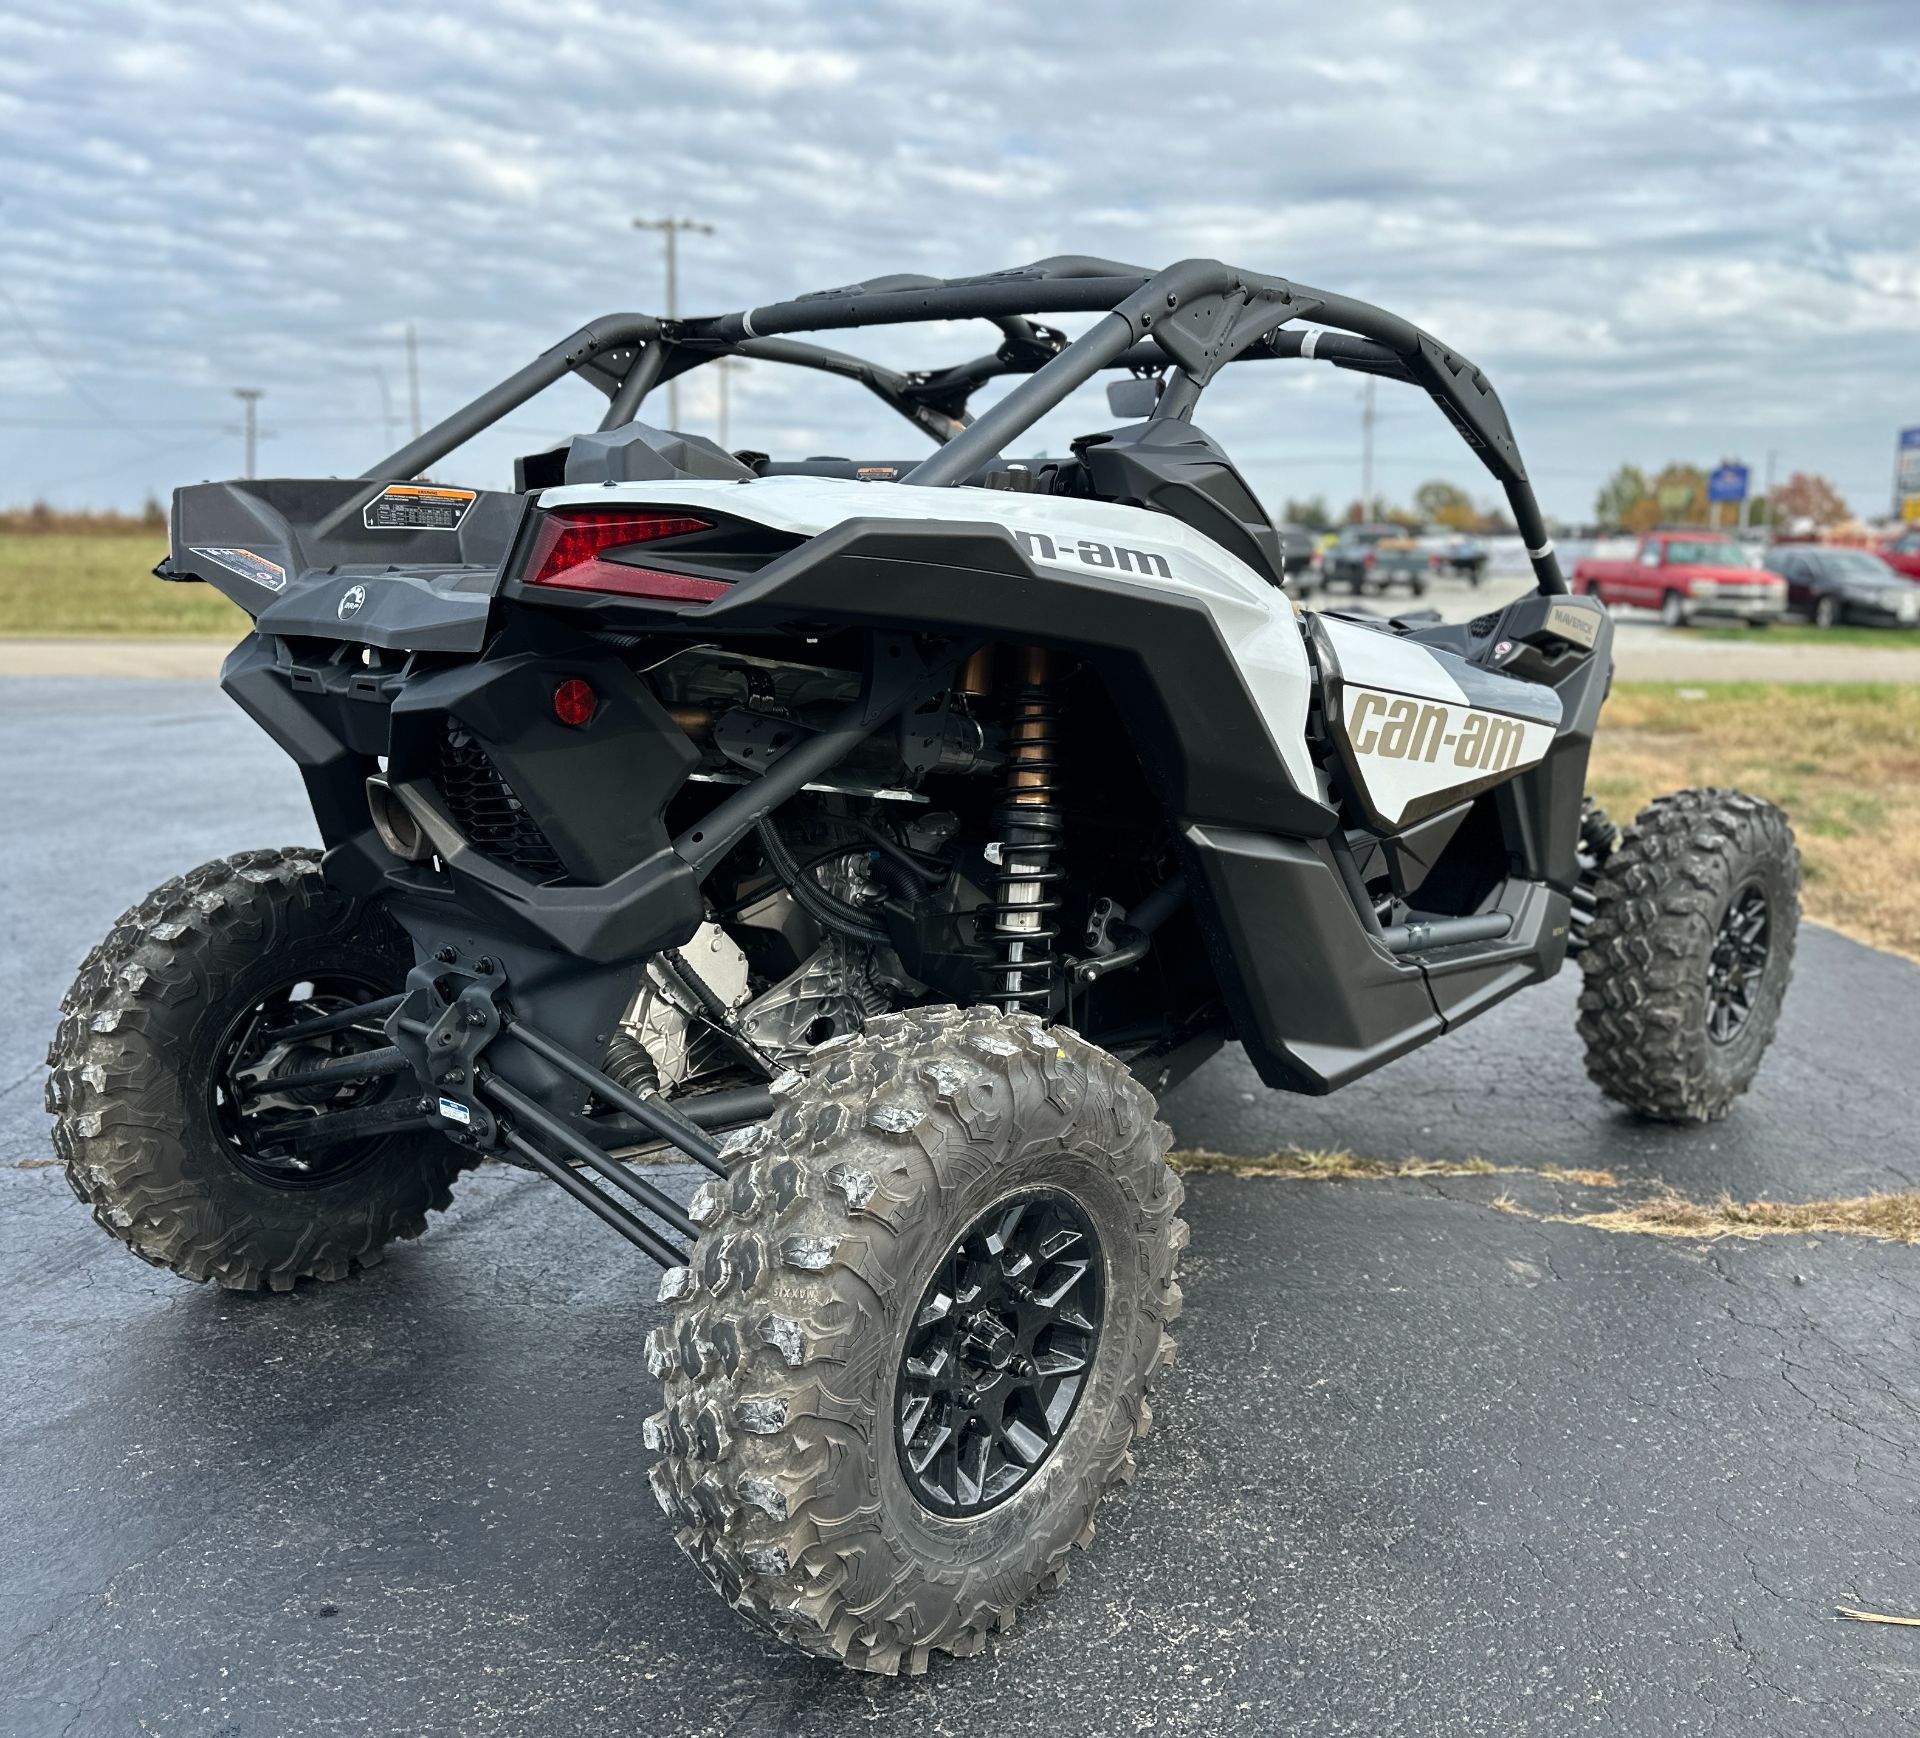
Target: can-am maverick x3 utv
{"points": [[880, 837]]}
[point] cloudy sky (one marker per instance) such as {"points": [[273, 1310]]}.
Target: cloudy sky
{"points": [[1665, 231]]}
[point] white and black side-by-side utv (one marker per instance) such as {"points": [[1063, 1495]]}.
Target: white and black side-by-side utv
{"points": [[881, 837]]}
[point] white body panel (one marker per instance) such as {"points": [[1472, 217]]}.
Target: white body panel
{"points": [[1414, 730], [1255, 619]]}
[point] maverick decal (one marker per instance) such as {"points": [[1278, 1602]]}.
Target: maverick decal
{"points": [[1413, 756], [1109, 557], [1573, 623]]}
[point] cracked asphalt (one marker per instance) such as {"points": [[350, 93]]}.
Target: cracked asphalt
{"points": [[1425, 1466]]}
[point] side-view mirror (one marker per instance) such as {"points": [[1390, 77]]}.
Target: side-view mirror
{"points": [[1133, 399]]}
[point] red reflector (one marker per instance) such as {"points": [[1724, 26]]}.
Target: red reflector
{"points": [[571, 546], [574, 701]]}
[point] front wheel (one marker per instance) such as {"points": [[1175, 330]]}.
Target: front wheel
{"points": [[1689, 953], [1826, 612], [174, 1025], [912, 1350]]}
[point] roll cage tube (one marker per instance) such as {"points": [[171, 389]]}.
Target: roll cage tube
{"points": [[1191, 319]]}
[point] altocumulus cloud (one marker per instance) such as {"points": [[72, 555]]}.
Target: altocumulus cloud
{"points": [[1665, 231]]}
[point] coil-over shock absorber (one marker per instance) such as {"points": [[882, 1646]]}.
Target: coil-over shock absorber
{"points": [[1029, 824]]}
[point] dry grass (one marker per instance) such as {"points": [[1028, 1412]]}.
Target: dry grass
{"points": [[1890, 1218], [1843, 759], [101, 582], [1321, 1167], [1306, 1166]]}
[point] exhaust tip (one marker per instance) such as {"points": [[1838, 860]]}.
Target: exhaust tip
{"points": [[394, 822]]}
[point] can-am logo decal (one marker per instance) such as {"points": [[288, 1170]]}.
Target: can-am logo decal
{"points": [[1401, 729], [351, 601], [1102, 555]]}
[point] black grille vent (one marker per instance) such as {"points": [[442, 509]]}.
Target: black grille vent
{"points": [[485, 809]]}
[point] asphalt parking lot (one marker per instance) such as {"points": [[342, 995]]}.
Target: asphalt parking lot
{"points": [[1425, 1465]]}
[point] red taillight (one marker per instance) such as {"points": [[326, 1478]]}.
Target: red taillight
{"points": [[1371, 558], [571, 544]]}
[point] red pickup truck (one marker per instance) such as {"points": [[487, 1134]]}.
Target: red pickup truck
{"points": [[1903, 554], [1684, 574]]}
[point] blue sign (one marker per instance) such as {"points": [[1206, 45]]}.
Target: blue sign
{"points": [[1909, 465], [1728, 483]]}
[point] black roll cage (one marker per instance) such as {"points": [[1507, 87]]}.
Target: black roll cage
{"points": [[1184, 323]]}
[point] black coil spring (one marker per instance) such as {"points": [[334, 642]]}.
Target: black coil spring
{"points": [[1019, 920]]}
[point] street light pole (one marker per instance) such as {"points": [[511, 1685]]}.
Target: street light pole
{"points": [[250, 397], [724, 366], [669, 229], [413, 377], [1366, 452]]}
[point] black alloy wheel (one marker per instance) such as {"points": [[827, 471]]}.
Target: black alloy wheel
{"points": [[998, 1353], [264, 1042], [1738, 963]]}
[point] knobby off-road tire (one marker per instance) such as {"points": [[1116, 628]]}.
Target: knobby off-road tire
{"points": [[133, 1061], [781, 1361], [1684, 879]]}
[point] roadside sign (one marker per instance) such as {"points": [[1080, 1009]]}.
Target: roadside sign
{"points": [[1729, 482], [1906, 474]]}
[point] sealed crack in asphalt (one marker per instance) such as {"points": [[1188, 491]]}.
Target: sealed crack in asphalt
{"points": [[1887, 1216]]}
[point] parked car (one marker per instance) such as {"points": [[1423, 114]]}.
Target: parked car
{"points": [[1297, 549], [1684, 575], [1375, 558], [1463, 556], [1830, 586], [1903, 553]]}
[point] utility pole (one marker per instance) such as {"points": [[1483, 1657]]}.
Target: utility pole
{"points": [[1773, 527], [413, 377], [250, 397], [670, 228], [724, 366], [1366, 450]]}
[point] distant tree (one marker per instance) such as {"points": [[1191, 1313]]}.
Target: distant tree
{"points": [[1310, 512], [1355, 514], [153, 514], [1803, 496], [1446, 502], [1678, 497], [1619, 495]]}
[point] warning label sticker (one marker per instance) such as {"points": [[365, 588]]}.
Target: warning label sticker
{"points": [[417, 507], [249, 566]]}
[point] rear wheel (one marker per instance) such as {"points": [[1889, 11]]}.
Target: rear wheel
{"points": [[197, 995], [1673, 610], [912, 1350], [1689, 953]]}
